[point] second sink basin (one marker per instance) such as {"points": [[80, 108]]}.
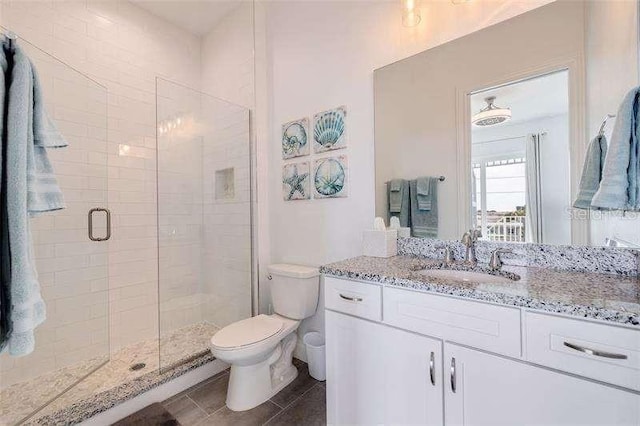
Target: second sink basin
{"points": [[465, 276]]}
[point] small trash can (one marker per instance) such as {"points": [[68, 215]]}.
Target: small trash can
{"points": [[314, 343]]}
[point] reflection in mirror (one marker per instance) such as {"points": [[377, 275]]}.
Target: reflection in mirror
{"points": [[541, 83], [520, 160]]}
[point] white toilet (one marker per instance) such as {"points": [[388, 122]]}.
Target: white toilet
{"points": [[260, 348]]}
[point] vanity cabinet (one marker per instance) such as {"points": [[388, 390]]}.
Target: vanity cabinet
{"points": [[486, 389], [398, 356], [381, 375]]}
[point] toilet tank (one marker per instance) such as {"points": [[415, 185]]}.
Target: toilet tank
{"points": [[294, 290]]}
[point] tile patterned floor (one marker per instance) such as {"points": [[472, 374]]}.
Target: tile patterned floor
{"points": [[303, 402]]}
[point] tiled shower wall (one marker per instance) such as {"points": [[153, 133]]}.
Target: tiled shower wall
{"points": [[123, 48], [204, 210], [228, 73], [180, 216], [226, 264]]}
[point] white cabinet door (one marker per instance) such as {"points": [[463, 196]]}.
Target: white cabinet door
{"points": [[491, 390], [380, 375]]}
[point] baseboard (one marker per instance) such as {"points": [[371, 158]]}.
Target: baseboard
{"points": [[157, 394]]}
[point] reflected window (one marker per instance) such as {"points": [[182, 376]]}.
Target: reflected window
{"points": [[500, 198]]}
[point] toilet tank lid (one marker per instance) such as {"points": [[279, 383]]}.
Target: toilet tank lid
{"points": [[294, 271]]}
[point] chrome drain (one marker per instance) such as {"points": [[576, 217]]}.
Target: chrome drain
{"points": [[137, 366]]}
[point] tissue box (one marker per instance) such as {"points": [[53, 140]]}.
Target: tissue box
{"points": [[404, 232], [380, 243]]}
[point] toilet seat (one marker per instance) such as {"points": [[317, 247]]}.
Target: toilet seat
{"points": [[247, 332]]}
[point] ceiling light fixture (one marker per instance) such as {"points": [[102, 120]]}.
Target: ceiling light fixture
{"points": [[491, 114], [410, 13]]}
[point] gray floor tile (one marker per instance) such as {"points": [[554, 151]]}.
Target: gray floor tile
{"points": [[154, 414], [212, 395], [300, 385], [308, 410], [254, 417], [194, 387], [186, 411]]}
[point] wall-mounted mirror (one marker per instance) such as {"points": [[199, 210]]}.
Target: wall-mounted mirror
{"points": [[496, 141]]}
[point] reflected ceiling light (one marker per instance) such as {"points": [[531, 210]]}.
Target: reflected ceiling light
{"points": [[491, 114], [410, 13]]}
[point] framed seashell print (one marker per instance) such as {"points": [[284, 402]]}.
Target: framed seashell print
{"points": [[295, 138], [329, 130], [331, 177], [295, 181]]}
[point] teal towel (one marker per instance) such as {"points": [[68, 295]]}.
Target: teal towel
{"points": [[423, 191], [33, 190], [620, 184], [591, 172], [424, 223], [5, 253], [44, 193], [395, 195], [399, 205]]}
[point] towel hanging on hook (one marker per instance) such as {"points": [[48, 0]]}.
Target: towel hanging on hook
{"points": [[11, 39], [604, 124]]}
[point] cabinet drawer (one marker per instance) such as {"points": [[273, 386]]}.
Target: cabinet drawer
{"points": [[483, 326], [603, 352], [355, 298]]}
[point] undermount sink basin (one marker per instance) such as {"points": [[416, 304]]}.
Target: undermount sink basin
{"points": [[465, 276]]}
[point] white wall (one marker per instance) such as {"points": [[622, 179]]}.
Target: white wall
{"points": [[228, 73], [612, 70], [227, 58], [322, 55]]}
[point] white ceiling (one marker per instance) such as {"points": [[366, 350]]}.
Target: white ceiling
{"points": [[195, 16], [530, 99]]}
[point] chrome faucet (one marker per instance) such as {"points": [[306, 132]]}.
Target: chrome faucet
{"points": [[448, 257], [495, 263], [469, 239]]}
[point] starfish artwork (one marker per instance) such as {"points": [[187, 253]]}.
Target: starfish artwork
{"points": [[295, 182]]}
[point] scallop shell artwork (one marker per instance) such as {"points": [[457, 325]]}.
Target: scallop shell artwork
{"points": [[329, 130], [330, 177], [295, 140], [295, 181]]}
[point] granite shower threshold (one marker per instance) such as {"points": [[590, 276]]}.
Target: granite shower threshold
{"points": [[77, 392], [98, 403]]}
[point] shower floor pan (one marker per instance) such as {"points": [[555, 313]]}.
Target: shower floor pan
{"points": [[129, 372]]}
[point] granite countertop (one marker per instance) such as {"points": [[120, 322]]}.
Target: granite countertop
{"points": [[606, 297]]}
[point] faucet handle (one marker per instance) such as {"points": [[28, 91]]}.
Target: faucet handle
{"points": [[476, 234], [448, 258], [466, 238], [495, 263]]}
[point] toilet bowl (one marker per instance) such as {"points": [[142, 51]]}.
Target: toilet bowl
{"points": [[260, 349]]}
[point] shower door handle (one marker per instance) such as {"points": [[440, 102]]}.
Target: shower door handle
{"points": [[90, 224]]}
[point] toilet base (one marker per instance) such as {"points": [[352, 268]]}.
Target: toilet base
{"points": [[251, 385]]}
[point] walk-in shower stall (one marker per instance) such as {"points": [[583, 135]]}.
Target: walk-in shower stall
{"points": [[153, 253]]}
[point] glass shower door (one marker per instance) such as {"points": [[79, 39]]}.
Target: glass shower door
{"points": [[71, 258], [204, 219]]}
